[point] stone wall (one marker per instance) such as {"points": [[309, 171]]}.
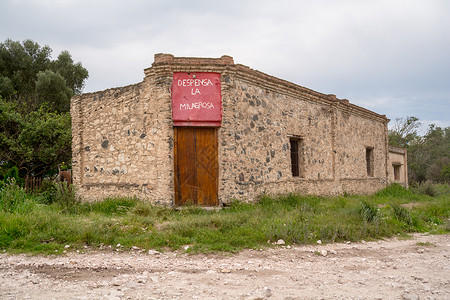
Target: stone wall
{"points": [[398, 159], [123, 137], [267, 112]]}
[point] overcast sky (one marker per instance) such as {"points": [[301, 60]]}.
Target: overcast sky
{"points": [[389, 56]]}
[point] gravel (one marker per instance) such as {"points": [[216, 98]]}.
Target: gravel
{"points": [[415, 268]]}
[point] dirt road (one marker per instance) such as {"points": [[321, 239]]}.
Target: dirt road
{"points": [[417, 268]]}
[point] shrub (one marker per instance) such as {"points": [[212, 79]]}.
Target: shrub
{"points": [[48, 192], [65, 195], [8, 175], [426, 188], [13, 197]]}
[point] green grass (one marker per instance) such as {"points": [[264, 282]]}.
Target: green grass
{"points": [[29, 224]]}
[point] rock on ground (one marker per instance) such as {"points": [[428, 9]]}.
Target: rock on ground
{"points": [[416, 268]]}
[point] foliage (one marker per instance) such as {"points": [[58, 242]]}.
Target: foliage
{"points": [[13, 198], [31, 78], [425, 188], [445, 173], [47, 191], [403, 131], [35, 93], [30, 226], [35, 143], [395, 190], [368, 211], [402, 214], [53, 91], [428, 155], [7, 174], [113, 206], [66, 195]]}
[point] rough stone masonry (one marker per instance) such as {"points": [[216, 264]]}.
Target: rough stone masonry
{"points": [[273, 137]]}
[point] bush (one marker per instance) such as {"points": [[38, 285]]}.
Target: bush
{"points": [[48, 192], [13, 198], [426, 188], [65, 195], [7, 175]]}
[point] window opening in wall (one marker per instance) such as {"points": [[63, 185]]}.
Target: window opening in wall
{"points": [[369, 161], [297, 157], [396, 171]]}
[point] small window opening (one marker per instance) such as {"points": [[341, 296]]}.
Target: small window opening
{"points": [[369, 161], [397, 172], [297, 157]]}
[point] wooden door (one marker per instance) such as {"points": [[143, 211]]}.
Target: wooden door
{"points": [[196, 166]]}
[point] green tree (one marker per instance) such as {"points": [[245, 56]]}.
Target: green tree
{"points": [[52, 91], [30, 77], [35, 93], [436, 147], [403, 131], [428, 155], [36, 143]]}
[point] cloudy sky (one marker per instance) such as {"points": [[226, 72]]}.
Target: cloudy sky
{"points": [[390, 56]]}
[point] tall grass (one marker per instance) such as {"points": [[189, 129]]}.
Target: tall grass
{"points": [[30, 224]]}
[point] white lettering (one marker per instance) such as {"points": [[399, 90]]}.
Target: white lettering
{"points": [[197, 105], [195, 93], [194, 82]]}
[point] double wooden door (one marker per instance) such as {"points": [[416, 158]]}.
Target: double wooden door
{"points": [[196, 166]]}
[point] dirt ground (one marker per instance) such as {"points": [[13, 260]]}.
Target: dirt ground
{"points": [[417, 268]]}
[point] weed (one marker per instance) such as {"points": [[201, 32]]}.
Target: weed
{"points": [[143, 209], [114, 206], [425, 244], [66, 195], [238, 205], [13, 198], [30, 224], [402, 214], [368, 211], [395, 190]]}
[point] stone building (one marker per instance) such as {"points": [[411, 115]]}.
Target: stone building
{"points": [[206, 131], [398, 166]]}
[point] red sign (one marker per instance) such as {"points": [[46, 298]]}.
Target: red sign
{"points": [[196, 99]]}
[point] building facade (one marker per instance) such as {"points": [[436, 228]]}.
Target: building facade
{"points": [[398, 166], [206, 131]]}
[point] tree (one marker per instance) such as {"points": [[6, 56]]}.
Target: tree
{"points": [[29, 77], [36, 143], [35, 93], [52, 91], [404, 131], [428, 155], [436, 147]]}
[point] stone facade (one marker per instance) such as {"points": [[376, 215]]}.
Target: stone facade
{"points": [[398, 166], [123, 137]]}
